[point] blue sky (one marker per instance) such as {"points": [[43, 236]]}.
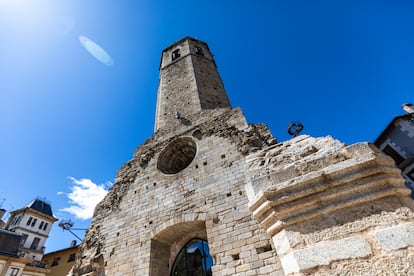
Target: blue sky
{"points": [[68, 121]]}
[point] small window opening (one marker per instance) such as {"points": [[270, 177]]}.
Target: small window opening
{"points": [[35, 243], [13, 271], [264, 249], [394, 154], [72, 257], [56, 261], [235, 257], [23, 239], [175, 54], [199, 51], [16, 220], [197, 134]]}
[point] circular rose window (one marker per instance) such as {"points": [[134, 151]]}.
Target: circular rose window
{"points": [[177, 155]]}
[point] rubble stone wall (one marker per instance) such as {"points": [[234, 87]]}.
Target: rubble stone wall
{"points": [[148, 216]]}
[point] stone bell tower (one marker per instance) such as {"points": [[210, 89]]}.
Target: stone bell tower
{"points": [[189, 84]]}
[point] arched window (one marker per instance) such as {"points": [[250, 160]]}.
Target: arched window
{"points": [[193, 260], [199, 51], [175, 54]]}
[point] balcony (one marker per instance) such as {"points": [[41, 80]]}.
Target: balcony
{"points": [[38, 264]]}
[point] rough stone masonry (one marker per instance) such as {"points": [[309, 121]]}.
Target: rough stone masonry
{"points": [[305, 206]]}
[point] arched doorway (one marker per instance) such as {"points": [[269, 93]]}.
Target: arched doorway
{"points": [[194, 259]]}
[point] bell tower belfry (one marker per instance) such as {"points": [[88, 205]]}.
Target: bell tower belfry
{"points": [[189, 84]]}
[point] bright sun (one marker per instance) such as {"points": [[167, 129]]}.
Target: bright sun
{"points": [[34, 17]]}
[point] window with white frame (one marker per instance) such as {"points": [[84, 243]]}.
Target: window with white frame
{"points": [[13, 271]]}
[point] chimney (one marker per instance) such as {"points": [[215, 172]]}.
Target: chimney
{"points": [[408, 107], [73, 243]]}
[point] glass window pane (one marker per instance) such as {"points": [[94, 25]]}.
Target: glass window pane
{"points": [[193, 260]]}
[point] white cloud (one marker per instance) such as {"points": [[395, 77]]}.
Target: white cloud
{"points": [[84, 197]]}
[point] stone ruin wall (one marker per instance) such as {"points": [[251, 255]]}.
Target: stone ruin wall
{"points": [[147, 216], [333, 209], [307, 206]]}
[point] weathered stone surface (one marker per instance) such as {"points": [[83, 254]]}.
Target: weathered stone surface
{"points": [[316, 195], [188, 85], [155, 214], [389, 264], [338, 179], [324, 253], [284, 241], [396, 237]]}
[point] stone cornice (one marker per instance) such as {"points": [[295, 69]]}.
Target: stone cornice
{"points": [[355, 179]]}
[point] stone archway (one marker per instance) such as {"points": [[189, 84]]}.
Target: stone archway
{"points": [[166, 244]]}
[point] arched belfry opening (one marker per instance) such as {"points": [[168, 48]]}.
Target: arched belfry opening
{"points": [[180, 248]]}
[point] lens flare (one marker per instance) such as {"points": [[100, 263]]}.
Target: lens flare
{"points": [[96, 51]]}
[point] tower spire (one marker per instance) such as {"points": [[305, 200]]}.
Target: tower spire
{"points": [[189, 84]]}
